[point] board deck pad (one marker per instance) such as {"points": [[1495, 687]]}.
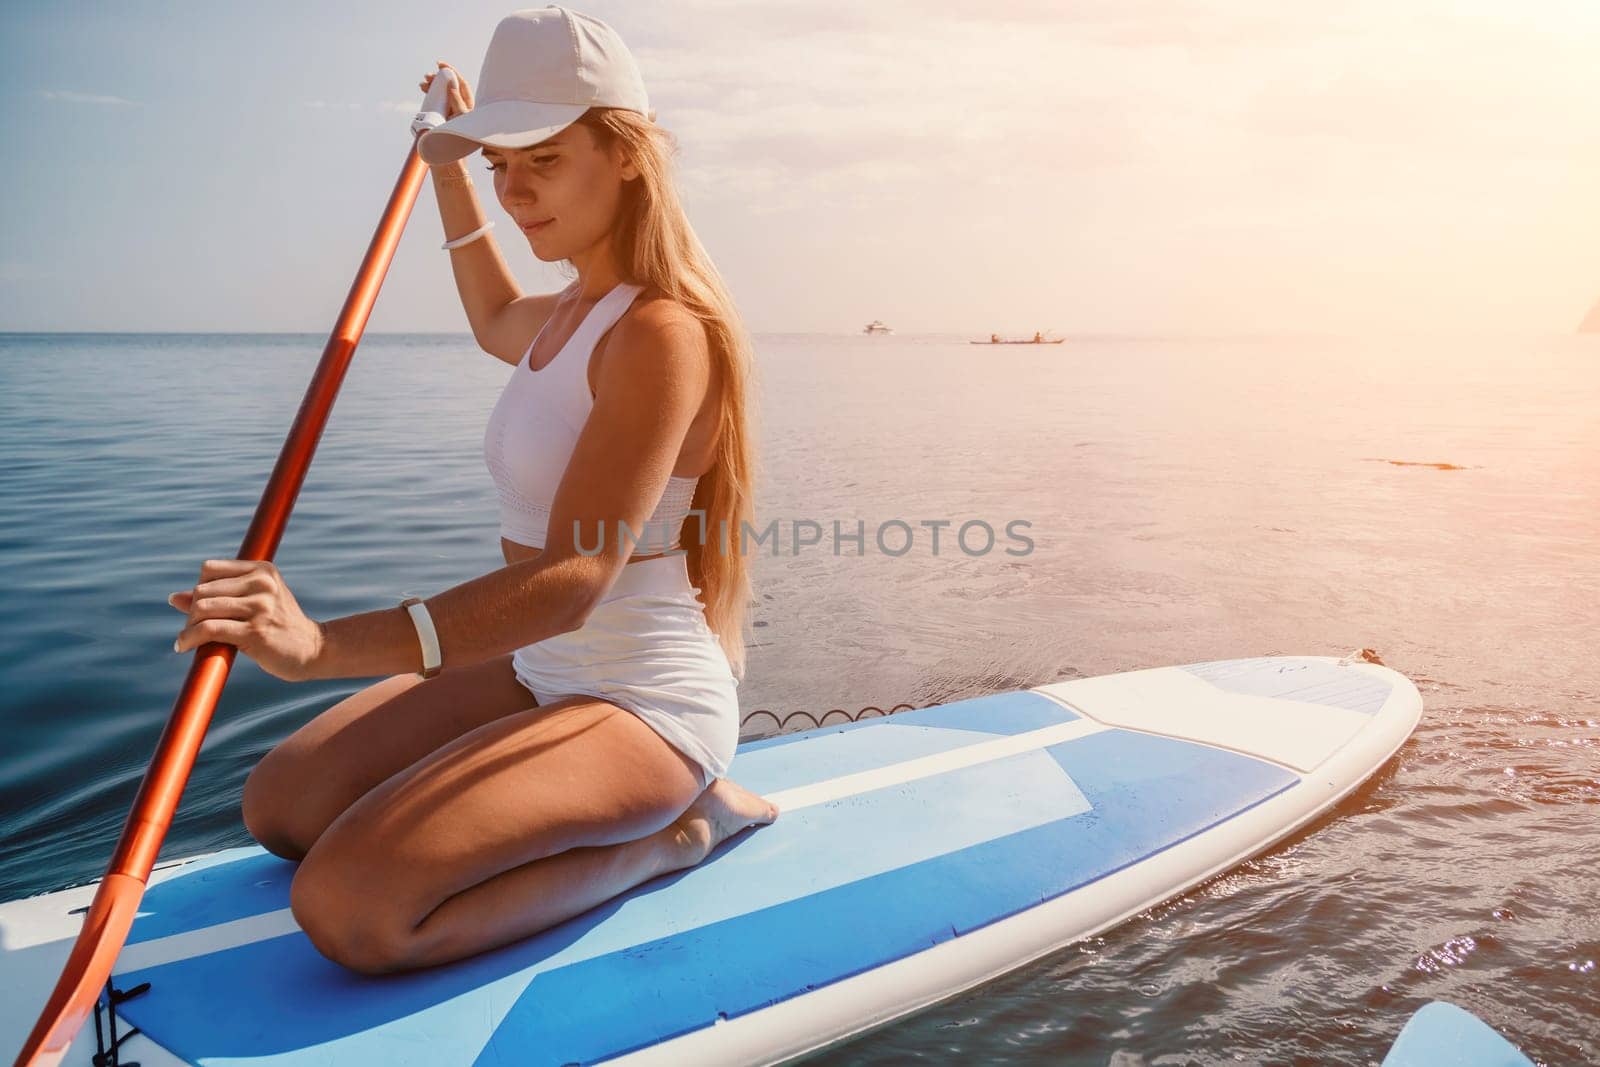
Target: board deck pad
{"points": [[896, 834]]}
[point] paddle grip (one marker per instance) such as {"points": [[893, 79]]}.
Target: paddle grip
{"points": [[434, 103]]}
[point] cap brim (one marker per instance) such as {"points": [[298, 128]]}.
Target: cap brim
{"points": [[502, 123]]}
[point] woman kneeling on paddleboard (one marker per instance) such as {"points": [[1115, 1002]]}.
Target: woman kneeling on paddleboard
{"points": [[576, 710]]}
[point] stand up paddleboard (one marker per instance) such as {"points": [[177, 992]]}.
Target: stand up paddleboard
{"points": [[1443, 1035], [917, 855]]}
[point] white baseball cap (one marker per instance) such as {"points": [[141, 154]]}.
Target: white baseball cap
{"points": [[544, 68]]}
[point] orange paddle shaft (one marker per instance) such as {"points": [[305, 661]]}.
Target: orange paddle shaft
{"points": [[106, 926]]}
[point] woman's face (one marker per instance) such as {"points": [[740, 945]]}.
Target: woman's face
{"points": [[563, 192]]}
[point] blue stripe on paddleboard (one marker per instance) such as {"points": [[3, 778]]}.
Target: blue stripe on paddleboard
{"points": [[834, 755], [1287, 678], [776, 911], [857, 837], [232, 884], [239, 891], [998, 713], [1146, 794]]}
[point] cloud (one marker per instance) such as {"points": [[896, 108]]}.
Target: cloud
{"points": [[870, 101], [1144, 24], [70, 97], [14, 271], [386, 107], [1057, 88], [1401, 104]]}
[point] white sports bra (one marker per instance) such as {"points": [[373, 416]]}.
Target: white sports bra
{"points": [[534, 428]]}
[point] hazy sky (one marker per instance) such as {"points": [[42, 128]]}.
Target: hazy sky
{"points": [[1139, 166]]}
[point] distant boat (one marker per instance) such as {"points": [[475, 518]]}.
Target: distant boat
{"points": [[1591, 321], [1036, 339], [876, 326]]}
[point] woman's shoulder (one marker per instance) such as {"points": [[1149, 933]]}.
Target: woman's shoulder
{"points": [[656, 334], [658, 316], [657, 299]]}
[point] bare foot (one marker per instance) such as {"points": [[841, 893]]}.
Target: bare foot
{"points": [[721, 811]]}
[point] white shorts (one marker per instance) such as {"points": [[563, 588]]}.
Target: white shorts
{"points": [[646, 647]]}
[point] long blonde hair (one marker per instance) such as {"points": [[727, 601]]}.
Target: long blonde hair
{"points": [[655, 246]]}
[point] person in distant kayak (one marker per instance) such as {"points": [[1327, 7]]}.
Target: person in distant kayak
{"points": [[567, 736], [1037, 337], [994, 338]]}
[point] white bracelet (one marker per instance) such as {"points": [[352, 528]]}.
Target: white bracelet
{"points": [[431, 657], [473, 236]]}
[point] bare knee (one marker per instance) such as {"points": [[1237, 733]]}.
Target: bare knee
{"points": [[347, 927], [279, 793], [266, 804]]}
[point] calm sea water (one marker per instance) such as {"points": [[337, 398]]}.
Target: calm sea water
{"points": [[1188, 499]]}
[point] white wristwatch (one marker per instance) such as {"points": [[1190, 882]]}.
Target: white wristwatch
{"points": [[431, 657]]}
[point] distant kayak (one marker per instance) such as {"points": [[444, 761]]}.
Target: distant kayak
{"points": [[1057, 341]]}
